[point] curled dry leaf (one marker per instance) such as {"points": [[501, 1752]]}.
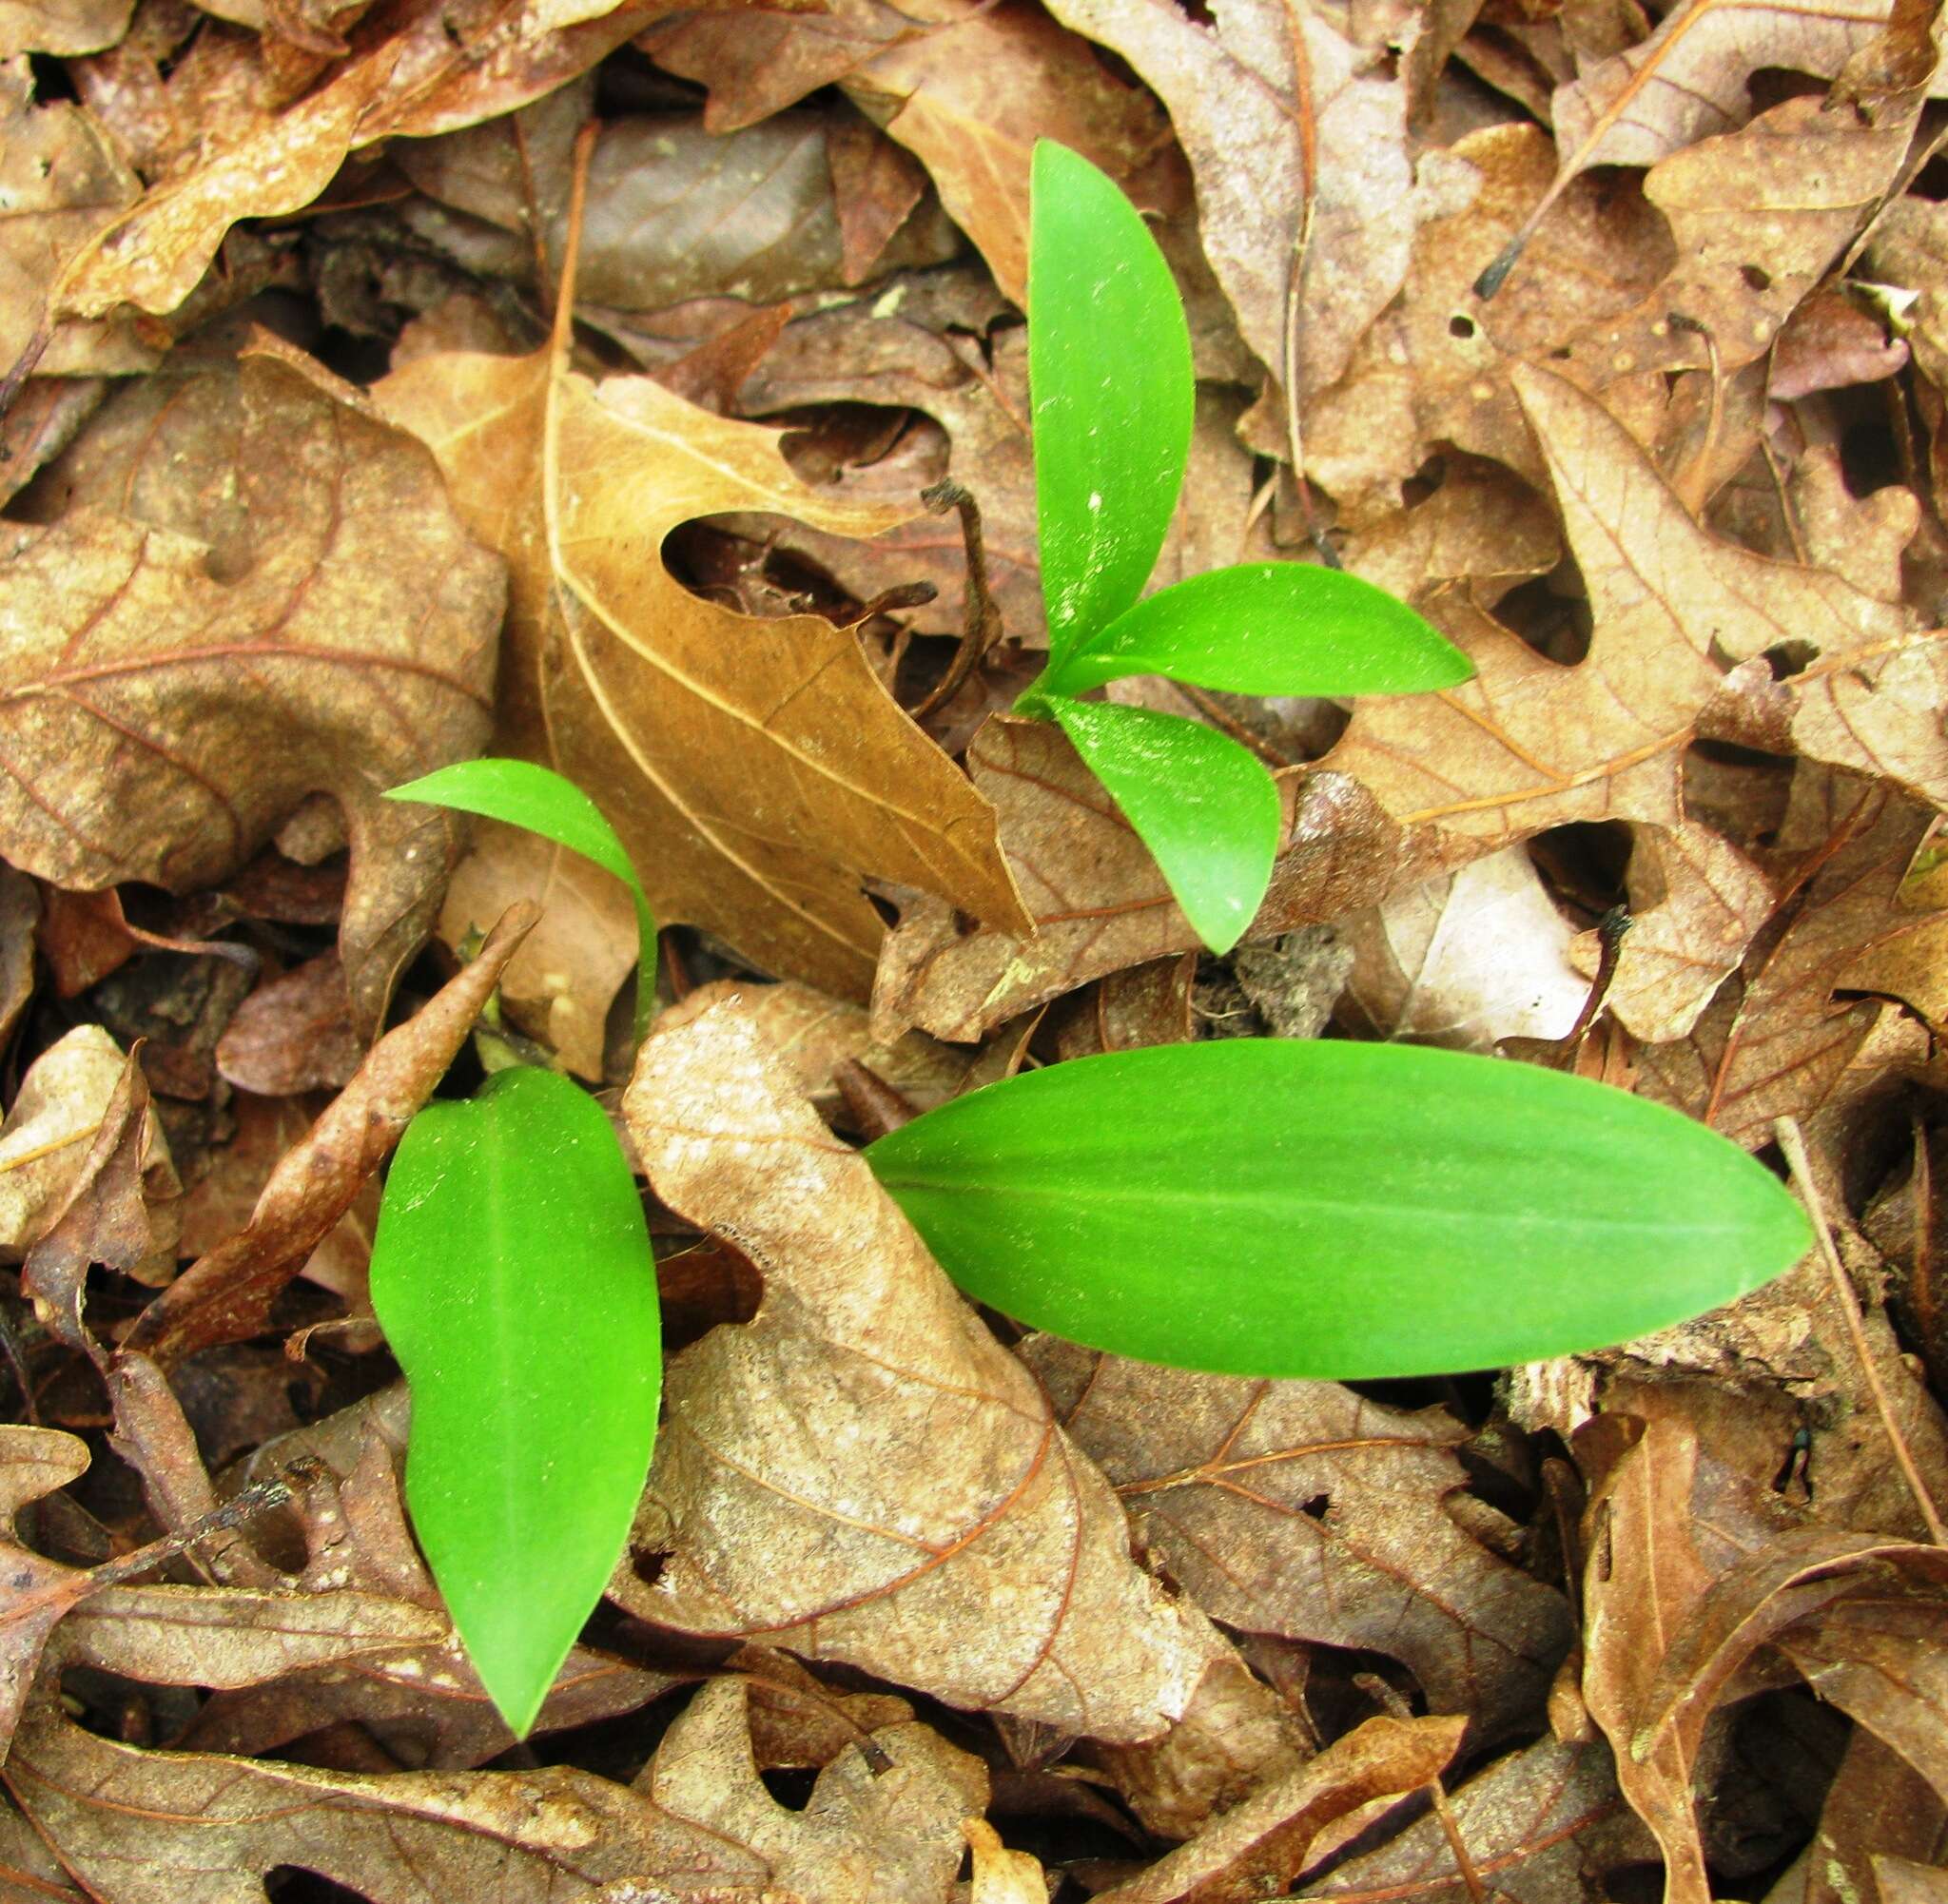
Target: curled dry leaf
{"points": [[46, 1142], [1471, 958], [1259, 1846], [225, 1295], [1544, 1825], [445, 67], [257, 591], [1302, 1509], [1775, 1041], [863, 1472], [1097, 897], [813, 1035], [756, 770]]}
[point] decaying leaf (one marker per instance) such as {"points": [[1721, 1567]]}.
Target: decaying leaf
{"points": [[756, 770], [257, 592], [61, 26], [863, 1472], [1302, 1509]]}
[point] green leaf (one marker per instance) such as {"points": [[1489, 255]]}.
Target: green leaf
{"points": [[1270, 627], [544, 802], [1266, 1207], [1207, 808], [1111, 392], [513, 1277]]}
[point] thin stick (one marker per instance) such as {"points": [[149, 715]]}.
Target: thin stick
{"points": [[983, 626], [1794, 1145], [1295, 290]]}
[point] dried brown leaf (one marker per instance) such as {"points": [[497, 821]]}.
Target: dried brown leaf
{"points": [[1097, 900], [20, 918], [447, 66], [1878, 1806], [970, 97], [1544, 1825], [1471, 958], [1690, 77], [293, 1034], [62, 27], [61, 182], [755, 769], [1302, 1509], [672, 211], [1774, 1040], [37, 1591], [1258, 1847], [863, 1472], [257, 591], [225, 1295], [698, 1826], [1248, 131]]}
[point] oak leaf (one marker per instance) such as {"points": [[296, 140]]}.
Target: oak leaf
{"points": [[62, 27], [1301, 1508], [1252, 116], [756, 770], [1690, 78], [257, 591], [863, 1472]]}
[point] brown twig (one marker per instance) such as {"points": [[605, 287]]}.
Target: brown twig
{"points": [[1794, 1146], [981, 627], [1610, 930], [1307, 122]]}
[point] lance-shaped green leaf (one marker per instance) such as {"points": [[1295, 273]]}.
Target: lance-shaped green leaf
{"points": [[523, 794], [1111, 392], [1207, 808], [513, 1277], [1270, 627], [1310, 1208]]}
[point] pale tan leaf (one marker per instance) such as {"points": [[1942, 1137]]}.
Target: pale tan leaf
{"points": [[61, 182], [44, 1143], [863, 1472], [1469, 959], [1229, 88], [1000, 1875], [755, 769], [1302, 1509], [257, 591], [62, 27]]}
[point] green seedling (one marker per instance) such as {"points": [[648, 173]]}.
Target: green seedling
{"points": [[513, 1277], [1112, 395], [1250, 1206]]}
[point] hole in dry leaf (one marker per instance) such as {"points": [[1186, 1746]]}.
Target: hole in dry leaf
{"points": [[1789, 658], [649, 1567], [293, 1884], [1932, 181], [1754, 278], [790, 1785], [1583, 865], [1317, 1508], [1461, 325], [50, 83], [1551, 613]]}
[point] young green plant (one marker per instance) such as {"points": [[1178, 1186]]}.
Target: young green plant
{"points": [[1112, 395], [512, 1274]]}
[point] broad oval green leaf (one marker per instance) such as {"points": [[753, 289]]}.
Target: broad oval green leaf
{"points": [[1205, 807], [1310, 1208], [523, 794], [512, 1274], [1270, 627], [1111, 392]]}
